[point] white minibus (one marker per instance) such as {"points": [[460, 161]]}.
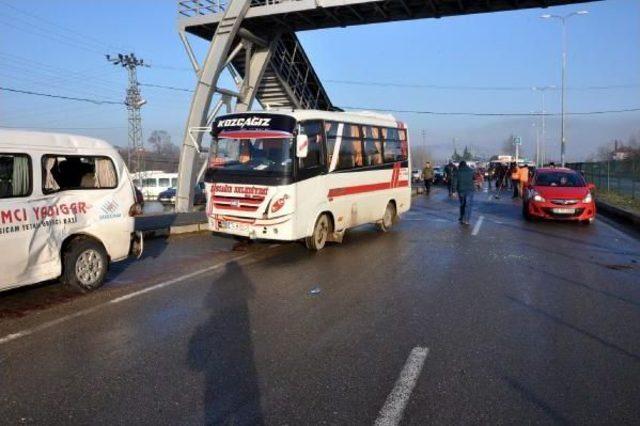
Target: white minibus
{"points": [[154, 182], [306, 174], [66, 209]]}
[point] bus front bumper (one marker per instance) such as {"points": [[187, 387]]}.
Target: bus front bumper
{"points": [[280, 228]]}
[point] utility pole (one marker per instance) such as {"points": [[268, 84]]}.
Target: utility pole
{"points": [[563, 21], [134, 102]]}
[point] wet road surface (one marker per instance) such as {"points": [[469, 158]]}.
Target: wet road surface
{"points": [[503, 321]]}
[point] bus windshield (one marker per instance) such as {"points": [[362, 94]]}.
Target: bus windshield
{"points": [[270, 156]]}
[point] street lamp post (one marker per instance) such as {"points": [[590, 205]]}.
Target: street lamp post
{"points": [[563, 20]]}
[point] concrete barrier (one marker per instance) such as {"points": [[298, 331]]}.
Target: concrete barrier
{"points": [[618, 214], [171, 223]]}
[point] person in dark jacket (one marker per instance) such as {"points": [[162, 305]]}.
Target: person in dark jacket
{"points": [[465, 189], [450, 177]]}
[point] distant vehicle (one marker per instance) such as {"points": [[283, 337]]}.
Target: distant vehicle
{"points": [[306, 174], [168, 196], [416, 175], [559, 194], [66, 209], [438, 176], [154, 182]]}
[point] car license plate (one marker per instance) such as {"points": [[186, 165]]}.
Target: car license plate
{"points": [[564, 211], [233, 226]]}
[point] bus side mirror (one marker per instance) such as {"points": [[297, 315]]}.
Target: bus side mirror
{"points": [[302, 146]]}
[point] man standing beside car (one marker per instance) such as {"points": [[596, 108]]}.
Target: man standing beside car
{"points": [[465, 189]]}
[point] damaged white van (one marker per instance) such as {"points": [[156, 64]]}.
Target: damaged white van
{"points": [[67, 208]]}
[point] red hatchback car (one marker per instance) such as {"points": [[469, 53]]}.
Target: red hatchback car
{"points": [[559, 194]]}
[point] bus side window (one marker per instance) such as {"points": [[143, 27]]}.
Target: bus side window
{"points": [[393, 145], [350, 154], [372, 146], [331, 129], [315, 132]]}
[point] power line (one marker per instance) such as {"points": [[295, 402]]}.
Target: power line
{"points": [[491, 114], [470, 88], [161, 86], [81, 37], [68, 98]]}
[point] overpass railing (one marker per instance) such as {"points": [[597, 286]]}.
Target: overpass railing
{"points": [[191, 8], [621, 177]]}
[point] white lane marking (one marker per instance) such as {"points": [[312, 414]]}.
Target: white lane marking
{"points": [[477, 226], [391, 412], [49, 324]]}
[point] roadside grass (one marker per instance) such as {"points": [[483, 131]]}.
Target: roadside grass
{"points": [[620, 200]]}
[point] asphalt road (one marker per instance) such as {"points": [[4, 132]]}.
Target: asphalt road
{"points": [[435, 323]]}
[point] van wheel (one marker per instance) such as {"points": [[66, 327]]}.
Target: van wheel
{"points": [[321, 232], [84, 265], [387, 220]]}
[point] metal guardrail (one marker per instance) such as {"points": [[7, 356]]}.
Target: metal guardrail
{"points": [[621, 177], [191, 8]]}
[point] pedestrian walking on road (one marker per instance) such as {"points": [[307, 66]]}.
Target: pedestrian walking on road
{"points": [[478, 179], [427, 175], [465, 188], [515, 178], [450, 176], [523, 178]]}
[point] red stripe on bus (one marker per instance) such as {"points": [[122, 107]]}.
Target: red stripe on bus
{"points": [[359, 189]]}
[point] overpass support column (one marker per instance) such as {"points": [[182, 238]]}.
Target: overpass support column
{"points": [[214, 63]]}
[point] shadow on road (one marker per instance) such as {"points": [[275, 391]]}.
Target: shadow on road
{"points": [[222, 350]]}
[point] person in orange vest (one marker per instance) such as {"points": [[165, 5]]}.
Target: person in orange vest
{"points": [[523, 178], [515, 177]]}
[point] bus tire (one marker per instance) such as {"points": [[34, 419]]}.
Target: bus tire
{"points": [[84, 264], [388, 218], [321, 231]]}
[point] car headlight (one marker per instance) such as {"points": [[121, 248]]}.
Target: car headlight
{"points": [[537, 197], [588, 198]]}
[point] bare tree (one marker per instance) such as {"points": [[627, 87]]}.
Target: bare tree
{"points": [[419, 155]]}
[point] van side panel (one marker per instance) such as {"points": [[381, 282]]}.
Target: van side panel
{"points": [[40, 224]]}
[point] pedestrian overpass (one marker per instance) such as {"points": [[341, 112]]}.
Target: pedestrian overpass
{"points": [[256, 41]]}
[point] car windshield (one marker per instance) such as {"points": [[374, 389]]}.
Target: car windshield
{"points": [[252, 156], [559, 179]]}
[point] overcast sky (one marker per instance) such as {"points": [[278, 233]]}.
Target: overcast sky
{"points": [[478, 63]]}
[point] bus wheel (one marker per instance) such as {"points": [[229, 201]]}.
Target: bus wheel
{"points": [[85, 264], [387, 220], [320, 233]]}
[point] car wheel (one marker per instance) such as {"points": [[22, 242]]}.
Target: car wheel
{"points": [[389, 217], [84, 264], [321, 232]]}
